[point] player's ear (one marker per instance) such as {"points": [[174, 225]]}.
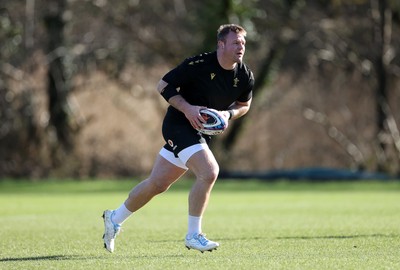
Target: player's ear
{"points": [[221, 44]]}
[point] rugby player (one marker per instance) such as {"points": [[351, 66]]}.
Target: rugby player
{"points": [[219, 80]]}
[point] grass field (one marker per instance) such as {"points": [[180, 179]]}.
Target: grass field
{"points": [[57, 225]]}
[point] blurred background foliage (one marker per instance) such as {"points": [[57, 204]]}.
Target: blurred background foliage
{"points": [[77, 83]]}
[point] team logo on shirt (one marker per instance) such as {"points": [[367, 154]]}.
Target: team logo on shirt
{"points": [[235, 82], [212, 75]]}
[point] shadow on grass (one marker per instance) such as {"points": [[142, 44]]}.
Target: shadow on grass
{"points": [[76, 257], [340, 236], [43, 258], [217, 239], [286, 238], [290, 237]]}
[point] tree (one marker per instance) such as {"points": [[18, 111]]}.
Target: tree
{"points": [[329, 43], [367, 49], [382, 21], [58, 82]]}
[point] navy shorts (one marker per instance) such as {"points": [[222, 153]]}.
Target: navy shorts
{"points": [[179, 137]]}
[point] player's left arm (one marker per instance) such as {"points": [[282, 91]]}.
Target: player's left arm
{"points": [[237, 109]]}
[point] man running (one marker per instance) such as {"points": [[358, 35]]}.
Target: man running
{"points": [[218, 80]]}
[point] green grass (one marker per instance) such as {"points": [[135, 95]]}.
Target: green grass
{"points": [[57, 225]]}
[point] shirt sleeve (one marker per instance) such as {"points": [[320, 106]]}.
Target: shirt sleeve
{"points": [[179, 76], [248, 94]]}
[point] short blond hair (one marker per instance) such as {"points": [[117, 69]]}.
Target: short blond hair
{"points": [[224, 30]]}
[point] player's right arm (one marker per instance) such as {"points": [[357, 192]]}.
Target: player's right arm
{"points": [[172, 96]]}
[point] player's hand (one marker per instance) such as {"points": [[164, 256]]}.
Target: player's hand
{"points": [[192, 114], [226, 116]]}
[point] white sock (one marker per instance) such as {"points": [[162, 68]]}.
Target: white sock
{"points": [[121, 214], [194, 225]]}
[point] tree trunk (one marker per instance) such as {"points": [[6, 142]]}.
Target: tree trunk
{"points": [[379, 9], [57, 82]]}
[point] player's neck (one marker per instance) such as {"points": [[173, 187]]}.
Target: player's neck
{"points": [[224, 63]]}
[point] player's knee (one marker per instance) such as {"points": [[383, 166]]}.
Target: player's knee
{"points": [[155, 186], [160, 187], [210, 175]]}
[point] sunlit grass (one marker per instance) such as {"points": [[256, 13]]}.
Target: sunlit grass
{"points": [[57, 225]]}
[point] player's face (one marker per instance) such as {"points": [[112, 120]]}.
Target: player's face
{"points": [[234, 47]]}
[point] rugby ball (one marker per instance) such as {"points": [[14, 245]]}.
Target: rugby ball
{"points": [[215, 122]]}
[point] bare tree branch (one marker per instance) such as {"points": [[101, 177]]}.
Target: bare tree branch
{"points": [[338, 136], [392, 127]]}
